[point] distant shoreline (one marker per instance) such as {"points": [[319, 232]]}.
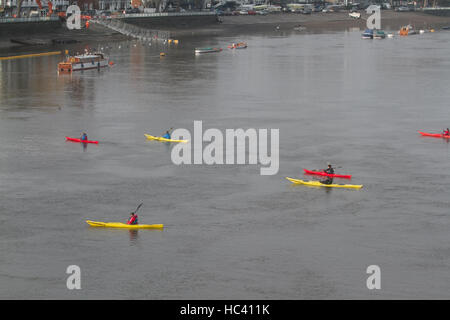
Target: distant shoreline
{"points": [[240, 25], [316, 22]]}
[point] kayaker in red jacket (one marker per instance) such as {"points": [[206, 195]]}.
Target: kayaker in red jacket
{"points": [[133, 219], [447, 132]]}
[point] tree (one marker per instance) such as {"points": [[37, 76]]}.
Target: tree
{"points": [[19, 7]]}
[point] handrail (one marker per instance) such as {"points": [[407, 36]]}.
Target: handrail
{"points": [[26, 19]]}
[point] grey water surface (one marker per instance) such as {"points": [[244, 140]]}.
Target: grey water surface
{"points": [[230, 233]]}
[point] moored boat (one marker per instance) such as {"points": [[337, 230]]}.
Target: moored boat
{"points": [[299, 28], [379, 34], [207, 50], [239, 45], [407, 30], [84, 62], [368, 34]]}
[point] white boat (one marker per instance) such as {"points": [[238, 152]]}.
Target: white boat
{"points": [[207, 50], [299, 28], [84, 62]]}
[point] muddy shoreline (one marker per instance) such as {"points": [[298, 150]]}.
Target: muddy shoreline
{"points": [[315, 23], [235, 25]]}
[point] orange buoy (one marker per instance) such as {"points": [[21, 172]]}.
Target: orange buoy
{"points": [[162, 54]]}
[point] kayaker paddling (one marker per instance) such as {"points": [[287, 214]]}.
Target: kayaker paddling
{"points": [[329, 170], [328, 180], [167, 134], [133, 219], [446, 132], [84, 137]]}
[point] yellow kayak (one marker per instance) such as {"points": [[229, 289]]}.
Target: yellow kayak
{"points": [[149, 137], [319, 184], [123, 225]]}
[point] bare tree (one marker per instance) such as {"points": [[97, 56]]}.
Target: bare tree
{"points": [[19, 7]]}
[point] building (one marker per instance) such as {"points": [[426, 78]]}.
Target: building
{"points": [[28, 5], [114, 5], [87, 4]]}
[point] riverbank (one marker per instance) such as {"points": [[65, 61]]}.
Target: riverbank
{"points": [[233, 25], [55, 37], [316, 22]]}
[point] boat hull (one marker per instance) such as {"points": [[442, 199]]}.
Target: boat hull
{"points": [[319, 184], [434, 135], [208, 50], [121, 225], [321, 173], [80, 141], [150, 137]]}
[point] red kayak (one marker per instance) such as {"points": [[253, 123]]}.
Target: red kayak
{"points": [[79, 140], [321, 173], [435, 135]]}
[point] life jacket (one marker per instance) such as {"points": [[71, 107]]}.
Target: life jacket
{"points": [[167, 136], [133, 220], [84, 137]]}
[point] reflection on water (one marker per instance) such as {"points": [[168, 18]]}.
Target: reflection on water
{"points": [[134, 234]]}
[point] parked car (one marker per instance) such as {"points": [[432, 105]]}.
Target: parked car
{"points": [[318, 9], [262, 12], [243, 12], [251, 12], [402, 9], [34, 14], [306, 11], [132, 11]]}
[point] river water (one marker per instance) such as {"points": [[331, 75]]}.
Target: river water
{"points": [[229, 231]]}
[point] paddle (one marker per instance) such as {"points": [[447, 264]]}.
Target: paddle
{"points": [[138, 207]]}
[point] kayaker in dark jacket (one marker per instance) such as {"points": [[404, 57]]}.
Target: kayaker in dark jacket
{"points": [[329, 170], [328, 180], [133, 219], [84, 137]]}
